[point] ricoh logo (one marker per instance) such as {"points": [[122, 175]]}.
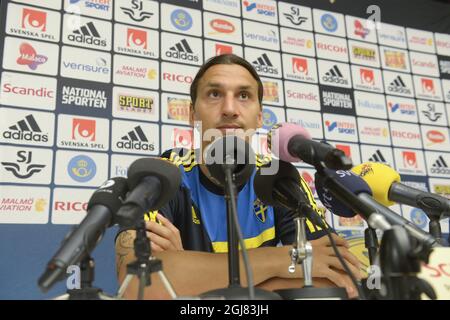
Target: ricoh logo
{"points": [[180, 78], [340, 127], [405, 135], [26, 129], [334, 48]]}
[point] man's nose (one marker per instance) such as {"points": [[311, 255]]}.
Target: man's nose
{"points": [[229, 107]]}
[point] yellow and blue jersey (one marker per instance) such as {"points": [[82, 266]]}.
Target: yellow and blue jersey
{"points": [[198, 210]]}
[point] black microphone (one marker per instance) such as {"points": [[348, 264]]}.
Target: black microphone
{"points": [[292, 143], [355, 185], [283, 189], [102, 207], [233, 153], [153, 182]]}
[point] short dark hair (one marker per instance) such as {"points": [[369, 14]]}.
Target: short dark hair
{"points": [[225, 59]]}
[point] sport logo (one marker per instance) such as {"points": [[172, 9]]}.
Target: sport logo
{"points": [[181, 19], [223, 49], [263, 64], [428, 85], [34, 19], [360, 30], [409, 159], [182, 138], [87, 34], [136, 12], [395, 59], [22, 168], [29, 57], [182, 50], [135, 140], [367, 76], [294, 16], [26, 130], [329, 22], [137, 38], [83, 129], [431, 114], [397, 85], [440, 166], [378, 157], [81, 168], [335, 75], [221, 26], [300, 65], [135, 103]]}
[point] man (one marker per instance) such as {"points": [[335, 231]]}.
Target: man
{"points": [[189, 233]]}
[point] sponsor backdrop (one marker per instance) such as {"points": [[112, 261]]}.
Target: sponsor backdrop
{"points": [[89, 86]]}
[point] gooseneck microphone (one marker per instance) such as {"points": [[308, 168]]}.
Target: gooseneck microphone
{"points": [[292, 143], [153, 182], [102, 207]]}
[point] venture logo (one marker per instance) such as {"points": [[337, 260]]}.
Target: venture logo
{"points": [[135, 140]]}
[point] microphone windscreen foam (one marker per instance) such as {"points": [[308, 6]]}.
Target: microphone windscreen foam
{"points": [[279, 137], [379, 177]]}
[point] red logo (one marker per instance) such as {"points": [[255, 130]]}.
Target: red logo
{"points": [[177, 78], [300, 65], [309, 180], [137, 38], [345, 148], [223, 49], [428, 85], [29, 57], [83, 129], [222, 26], [360, 30], [367, 76], [34, 19], [435, 136], [409, 159], [182, 138]]}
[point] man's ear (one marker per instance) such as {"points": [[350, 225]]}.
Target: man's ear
{"points": [[259, 122]]}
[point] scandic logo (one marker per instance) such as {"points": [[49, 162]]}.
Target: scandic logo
{"points": [[223, 49], [302, 96], [136, 38], [87, 34], [409, 159], [83, 129], [397, 85], [378, 157], [222, 26], [263, 64], [300, 65], [40, 92], [34, 19], [26, 129], [435, 136], [440, 166], [360, 30], [135, 140], [367, 76], [182, 50], [28, 56], [334, 75]]}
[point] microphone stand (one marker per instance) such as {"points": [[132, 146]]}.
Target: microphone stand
{"points": [[144, 265], [234, 291], [86, 291], [371, 244]]}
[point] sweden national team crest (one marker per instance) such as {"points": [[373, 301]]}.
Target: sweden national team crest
{"points": [[260, 210]]}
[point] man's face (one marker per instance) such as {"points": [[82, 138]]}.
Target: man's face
{"points": [[227, 100]]}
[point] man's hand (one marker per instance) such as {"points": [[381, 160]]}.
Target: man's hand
{"points": [[327, 265], [164, 236]]}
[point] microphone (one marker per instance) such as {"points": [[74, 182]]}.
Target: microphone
{"points": [[355, 184], [283, 189], [153, 182], [230, 152], [387, 189], [102, 207], [292, 143]]}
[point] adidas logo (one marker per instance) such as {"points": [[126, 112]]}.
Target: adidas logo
{"points": [[182, 50], [25, 130], [263, 64], [87, 34], [135, 140], [440, 166], [377, 157], [397, 85], [335, 75]]}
